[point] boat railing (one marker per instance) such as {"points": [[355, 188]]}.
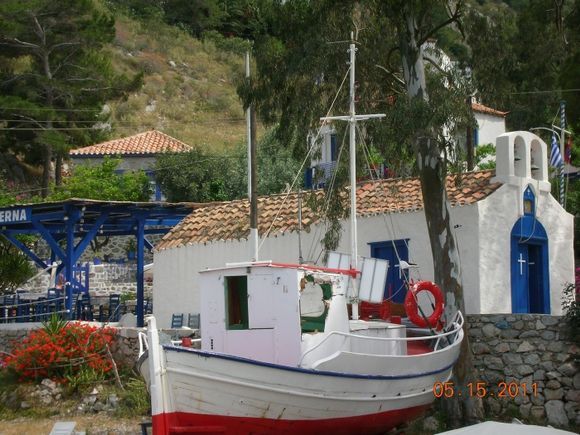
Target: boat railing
{"points": [[456, 326], [143, 343]]}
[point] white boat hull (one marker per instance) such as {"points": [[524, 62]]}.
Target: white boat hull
{"points": [[225, 394]]}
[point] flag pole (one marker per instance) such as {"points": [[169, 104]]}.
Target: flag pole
{"points": [[562, 151]]}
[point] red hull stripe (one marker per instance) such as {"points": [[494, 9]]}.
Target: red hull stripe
{"points": [[180, 422]]}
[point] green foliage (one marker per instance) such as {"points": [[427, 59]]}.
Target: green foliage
{"points": [[103, 182], [516, 51], [54, 325], [203, 176], [14, 267], [55, 76], [134, 399], [571, 307], [482, 153]]}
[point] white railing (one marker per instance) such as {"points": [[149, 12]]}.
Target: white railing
{"points": [[457, 324], [143, 343]]}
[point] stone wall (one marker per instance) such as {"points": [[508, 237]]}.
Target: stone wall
{"points": [[104, 279], [511, 350], [125, 349]]}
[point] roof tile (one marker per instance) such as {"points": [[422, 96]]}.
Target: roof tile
{"points": [[229, 220], [150, 142]]}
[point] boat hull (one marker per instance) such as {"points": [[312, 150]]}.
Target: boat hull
{"points": [[217, 393], [184, 422]]}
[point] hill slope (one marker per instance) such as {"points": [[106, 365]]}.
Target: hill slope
{"points": [[188, 91]]}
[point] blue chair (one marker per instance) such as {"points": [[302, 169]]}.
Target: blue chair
{"points": [[193, 320], [114, 308], [176, 321]]}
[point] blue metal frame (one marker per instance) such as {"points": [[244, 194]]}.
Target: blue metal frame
{"points": [[85, 219]]}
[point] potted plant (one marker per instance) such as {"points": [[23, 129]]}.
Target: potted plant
{"points": [[131, 248]]}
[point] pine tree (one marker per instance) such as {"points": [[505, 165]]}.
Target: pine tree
{"points": [[55, 77]]}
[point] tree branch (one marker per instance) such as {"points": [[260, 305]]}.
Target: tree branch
{"points": [[17, 43], [62, 44], [455, 15], [392, 74]]}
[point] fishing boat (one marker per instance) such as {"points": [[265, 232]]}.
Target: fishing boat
{"points": [[260, 371]]}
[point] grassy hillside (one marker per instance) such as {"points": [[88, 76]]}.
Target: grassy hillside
{"points": [[189, 85]]}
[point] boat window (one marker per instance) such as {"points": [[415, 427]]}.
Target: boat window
{"points": [[236, 302]]}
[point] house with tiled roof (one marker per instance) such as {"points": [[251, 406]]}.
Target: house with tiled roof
{"points": [[515, 241], [139, 151], [490, 123]]}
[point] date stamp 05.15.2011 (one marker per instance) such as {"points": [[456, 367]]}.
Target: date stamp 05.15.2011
{"points": [[502, 389]]}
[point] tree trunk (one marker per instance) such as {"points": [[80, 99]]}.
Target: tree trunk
{"points": [[46, 169], [469, 140], [58, 170], [432, 173]]}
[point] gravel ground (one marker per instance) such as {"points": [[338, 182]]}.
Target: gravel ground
{"points": [[89, 424]]}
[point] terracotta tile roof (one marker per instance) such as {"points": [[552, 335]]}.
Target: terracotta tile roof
{"points": [[477, 107], [229, 220], [150, 142]]}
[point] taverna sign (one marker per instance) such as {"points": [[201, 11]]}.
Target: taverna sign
{"points": [[15, 215]]}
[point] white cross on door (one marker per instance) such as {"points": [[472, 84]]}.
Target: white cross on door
{"points": [[522, 262]]}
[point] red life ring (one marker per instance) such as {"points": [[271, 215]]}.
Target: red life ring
{"points": [[411, 304]]}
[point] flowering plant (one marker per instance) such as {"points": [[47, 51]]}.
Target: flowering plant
{"points": [[59, 353]]}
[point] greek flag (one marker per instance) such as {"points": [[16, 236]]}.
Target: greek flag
{"points": [[555, 155]]}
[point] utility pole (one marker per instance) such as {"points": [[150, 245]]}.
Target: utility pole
{"points": [[252, 177]]}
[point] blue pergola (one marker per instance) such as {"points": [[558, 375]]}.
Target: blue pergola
{"points": [[69, 226]]}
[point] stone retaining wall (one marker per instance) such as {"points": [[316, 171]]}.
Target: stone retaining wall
{"points": [[530, 349], [125, 349]]}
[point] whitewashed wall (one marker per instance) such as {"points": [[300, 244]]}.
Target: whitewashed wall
{"points": [[483, 237], [498, 214], [489, 127], [176, 290]]}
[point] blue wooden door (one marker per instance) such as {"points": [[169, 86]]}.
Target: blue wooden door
{"points": [[530, 289], [392, 251]]}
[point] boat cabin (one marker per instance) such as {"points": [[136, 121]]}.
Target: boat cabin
{"points": [[265, 311]]}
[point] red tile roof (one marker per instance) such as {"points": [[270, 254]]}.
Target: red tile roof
{"points": [[229, 220], [477, 107], [151, 142]]}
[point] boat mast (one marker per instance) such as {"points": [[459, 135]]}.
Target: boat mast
{"points": [[352, 119]]}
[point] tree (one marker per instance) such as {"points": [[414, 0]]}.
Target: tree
{"points": [[299, 74], [204, 176], [103, 182], [15, 268], [55, 77], [414, 27]]}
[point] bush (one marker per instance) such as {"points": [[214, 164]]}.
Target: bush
{"points": [[14, 267], [61, 351], [571, 307]]}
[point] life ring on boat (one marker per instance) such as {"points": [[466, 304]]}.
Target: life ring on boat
{"points": [[412, 309]]}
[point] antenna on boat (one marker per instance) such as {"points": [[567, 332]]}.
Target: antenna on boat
{"points": [[252, 180], [352, 118]]}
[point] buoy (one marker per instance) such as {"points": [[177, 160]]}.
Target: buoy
{"points": [[412, 309]]}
